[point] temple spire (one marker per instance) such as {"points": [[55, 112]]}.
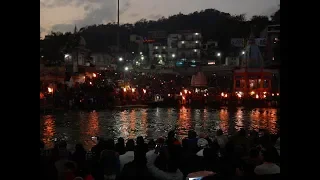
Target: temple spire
{"points": [[75, 29]]}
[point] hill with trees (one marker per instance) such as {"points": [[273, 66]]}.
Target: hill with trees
{"points": [[213, 24]]}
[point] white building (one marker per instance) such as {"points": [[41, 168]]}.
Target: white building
{"points": [[188, 46], [158, 53]]}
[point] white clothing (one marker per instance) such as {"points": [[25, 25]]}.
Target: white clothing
{"points": [[267, 168], [126, 158]]}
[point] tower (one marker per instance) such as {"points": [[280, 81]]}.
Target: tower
{"points": [[252, 57]]}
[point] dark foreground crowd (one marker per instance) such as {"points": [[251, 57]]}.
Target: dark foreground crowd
{"points": [[242, 156]]}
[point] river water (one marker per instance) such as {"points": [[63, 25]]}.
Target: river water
{"points": [[80, 126]]}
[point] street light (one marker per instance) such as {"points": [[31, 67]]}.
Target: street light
{"points": [[142, 58], [219, 57], [173, 55], [140, 53], [243, 52], [126, 68], [120, 58]]}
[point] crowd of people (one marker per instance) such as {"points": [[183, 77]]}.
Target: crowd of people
{"points": [[244, 155]]}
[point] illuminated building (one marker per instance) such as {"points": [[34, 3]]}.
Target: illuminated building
{"points": [[252, 79]]}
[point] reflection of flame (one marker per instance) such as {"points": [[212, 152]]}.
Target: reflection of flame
{"points": [[133, 118], [224, 120], [264, 119], [48, 131], [239, 119], [124, 124], [184, 122], [144, 123], [93, 124]]}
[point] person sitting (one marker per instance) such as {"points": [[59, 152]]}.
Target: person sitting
{"points": [[129, 155], [120, 148], [109, 160], [136, 169], [221, 138], [141, 144], [269, 165], [170, 170], [79, 156]]}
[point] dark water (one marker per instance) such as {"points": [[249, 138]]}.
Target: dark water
{"points": [[151, 123]]}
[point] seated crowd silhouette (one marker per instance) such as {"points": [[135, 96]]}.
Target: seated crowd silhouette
{"points": [[241, 156]]}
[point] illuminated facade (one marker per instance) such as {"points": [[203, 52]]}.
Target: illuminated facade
{"points": [[252, 79], [188, 46]]}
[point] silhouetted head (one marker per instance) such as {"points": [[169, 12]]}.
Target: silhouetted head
{"points": [[254, 153], [109, 144], [130, 145], [219, 132], [63, 144], [140, 140], [253, 133], [160, 141], [120, 140], [79, 147], [140, 156], [192, 134], [168, 159], [70, 166], [151, 144], [242, 132], [185, 143], [171, 134], [270, 155]]}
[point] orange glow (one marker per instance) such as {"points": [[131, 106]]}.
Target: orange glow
{"points": [[224, 120], [124, 89], [183, 98], [252, 92], [222, 94], [50, 90], [264, 92], [264, 96], [41, 95], [226, 95], [204, 95], [132, 119], [48, 131], [169, 95], [189, 92], [91, 128], [239, 95], [257, 96], [185, 91], [264, 118], [90, 83], [184, 121], [272, 94], [94, 75], [239, 119], [278, 94], [144, 91], [133, 90], [180, 93]]}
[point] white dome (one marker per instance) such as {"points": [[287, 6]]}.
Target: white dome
{"points": [[199, 80], [253, 57]]}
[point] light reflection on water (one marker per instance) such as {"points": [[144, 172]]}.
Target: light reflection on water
{"points": [[151, 123]]}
